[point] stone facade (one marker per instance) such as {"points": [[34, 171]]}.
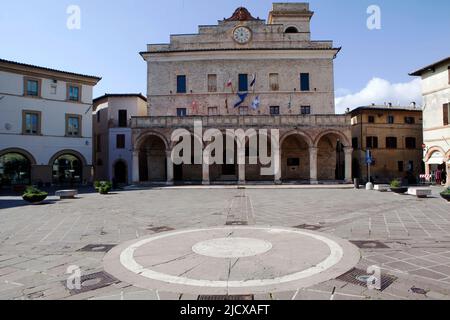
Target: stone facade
{"points": [[197, 77], [436, 113], [372, 126]]}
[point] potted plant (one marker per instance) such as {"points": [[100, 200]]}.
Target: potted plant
{"points": [[34, 195], [446, 194], [103, 187], [397, 187]]}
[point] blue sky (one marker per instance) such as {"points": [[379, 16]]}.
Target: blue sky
{"points": [[414, 33]]}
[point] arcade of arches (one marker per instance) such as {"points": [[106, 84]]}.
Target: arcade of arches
{"points": [[19, 167], [325, 157]]}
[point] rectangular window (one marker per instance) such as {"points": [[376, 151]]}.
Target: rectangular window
{"points": [[212, 83], [355, 144], [410, 143], [401, 166], [243, 82], [73, 125], [304, 82], [98, 143], [305, 110], [391, 143], [391, 120], [32, 87], [273, 82], [74, 93], [410, 166], [31, 122], [410, 120], [371, 119], [372, 142], [213, 111], [293, 162], [446, 109], [181, 112], [243, 111], [120, 141], [123, 118], [98, 116], [274, 111], [181, 84]]}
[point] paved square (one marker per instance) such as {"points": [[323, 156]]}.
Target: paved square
{"points": [[39, 243]]}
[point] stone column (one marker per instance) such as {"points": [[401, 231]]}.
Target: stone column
{"points": [[242, 174], [135, 167], [313, 151], [169, 168], [448, 174], [348, 164], [205, 171], [427, 172]]}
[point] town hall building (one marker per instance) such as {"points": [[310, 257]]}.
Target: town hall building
{"points": [[245, 73]]}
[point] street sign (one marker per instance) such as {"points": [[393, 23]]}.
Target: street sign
{"points": [[369, 158]]}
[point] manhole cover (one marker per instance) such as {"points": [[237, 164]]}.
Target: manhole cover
{"points": [[93, 282], [97, 248], [360, 278], [160, 229], [370, 244], [308, 227], [419, 291], [237, 223], [227, 298]]}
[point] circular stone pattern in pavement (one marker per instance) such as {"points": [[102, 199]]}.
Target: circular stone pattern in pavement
{"points": [[231, 260]]}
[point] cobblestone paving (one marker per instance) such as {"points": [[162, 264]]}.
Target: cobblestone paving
{"points": [[39, 243]]}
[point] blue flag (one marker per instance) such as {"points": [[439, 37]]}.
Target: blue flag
{"points": [[242, 97], [255, 103]]}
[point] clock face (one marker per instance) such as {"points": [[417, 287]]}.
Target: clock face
{"points": [[242, 35]]}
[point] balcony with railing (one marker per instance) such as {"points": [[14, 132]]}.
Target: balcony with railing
{"points": [[233, 121]]}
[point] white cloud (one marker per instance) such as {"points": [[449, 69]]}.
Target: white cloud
{"points": [[380, 91]]}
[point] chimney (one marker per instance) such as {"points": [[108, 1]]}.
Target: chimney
{"points": [[413, 104], [390, 104]]}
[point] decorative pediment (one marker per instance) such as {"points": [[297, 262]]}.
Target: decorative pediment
{"points": [[241, 14]]}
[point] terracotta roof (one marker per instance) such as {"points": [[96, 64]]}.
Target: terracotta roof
{"points": [[120, 95], [386, 108], [14, 63], [431, 67], [241, 14]]}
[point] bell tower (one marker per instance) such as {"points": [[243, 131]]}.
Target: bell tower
{"points": [[295, 17]]}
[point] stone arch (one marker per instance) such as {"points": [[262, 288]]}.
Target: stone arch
{"points": [[306, 136], [23, 152], [295, 156], [433, 150], [68, 151], [141, 139], [344, 140]]}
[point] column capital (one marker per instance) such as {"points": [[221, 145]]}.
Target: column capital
{"points": [[348, 149]]}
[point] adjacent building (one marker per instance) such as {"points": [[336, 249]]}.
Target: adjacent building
{"points": [[436, 118], [245, 73], [113, 136], [45, 125], [393, 135]]}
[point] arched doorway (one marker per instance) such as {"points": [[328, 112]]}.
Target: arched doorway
{"points": [[436, 162], [295, 158], [152, 160], [67, 169], [121, 172], [331, 157], [15, 168]]}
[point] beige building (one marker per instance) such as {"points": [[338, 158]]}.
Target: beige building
{"points": [[393, 135], [45, 125], [285, 81], [436, 117]]}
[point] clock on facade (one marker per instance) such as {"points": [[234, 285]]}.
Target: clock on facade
{"points": [[242, 35]]}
